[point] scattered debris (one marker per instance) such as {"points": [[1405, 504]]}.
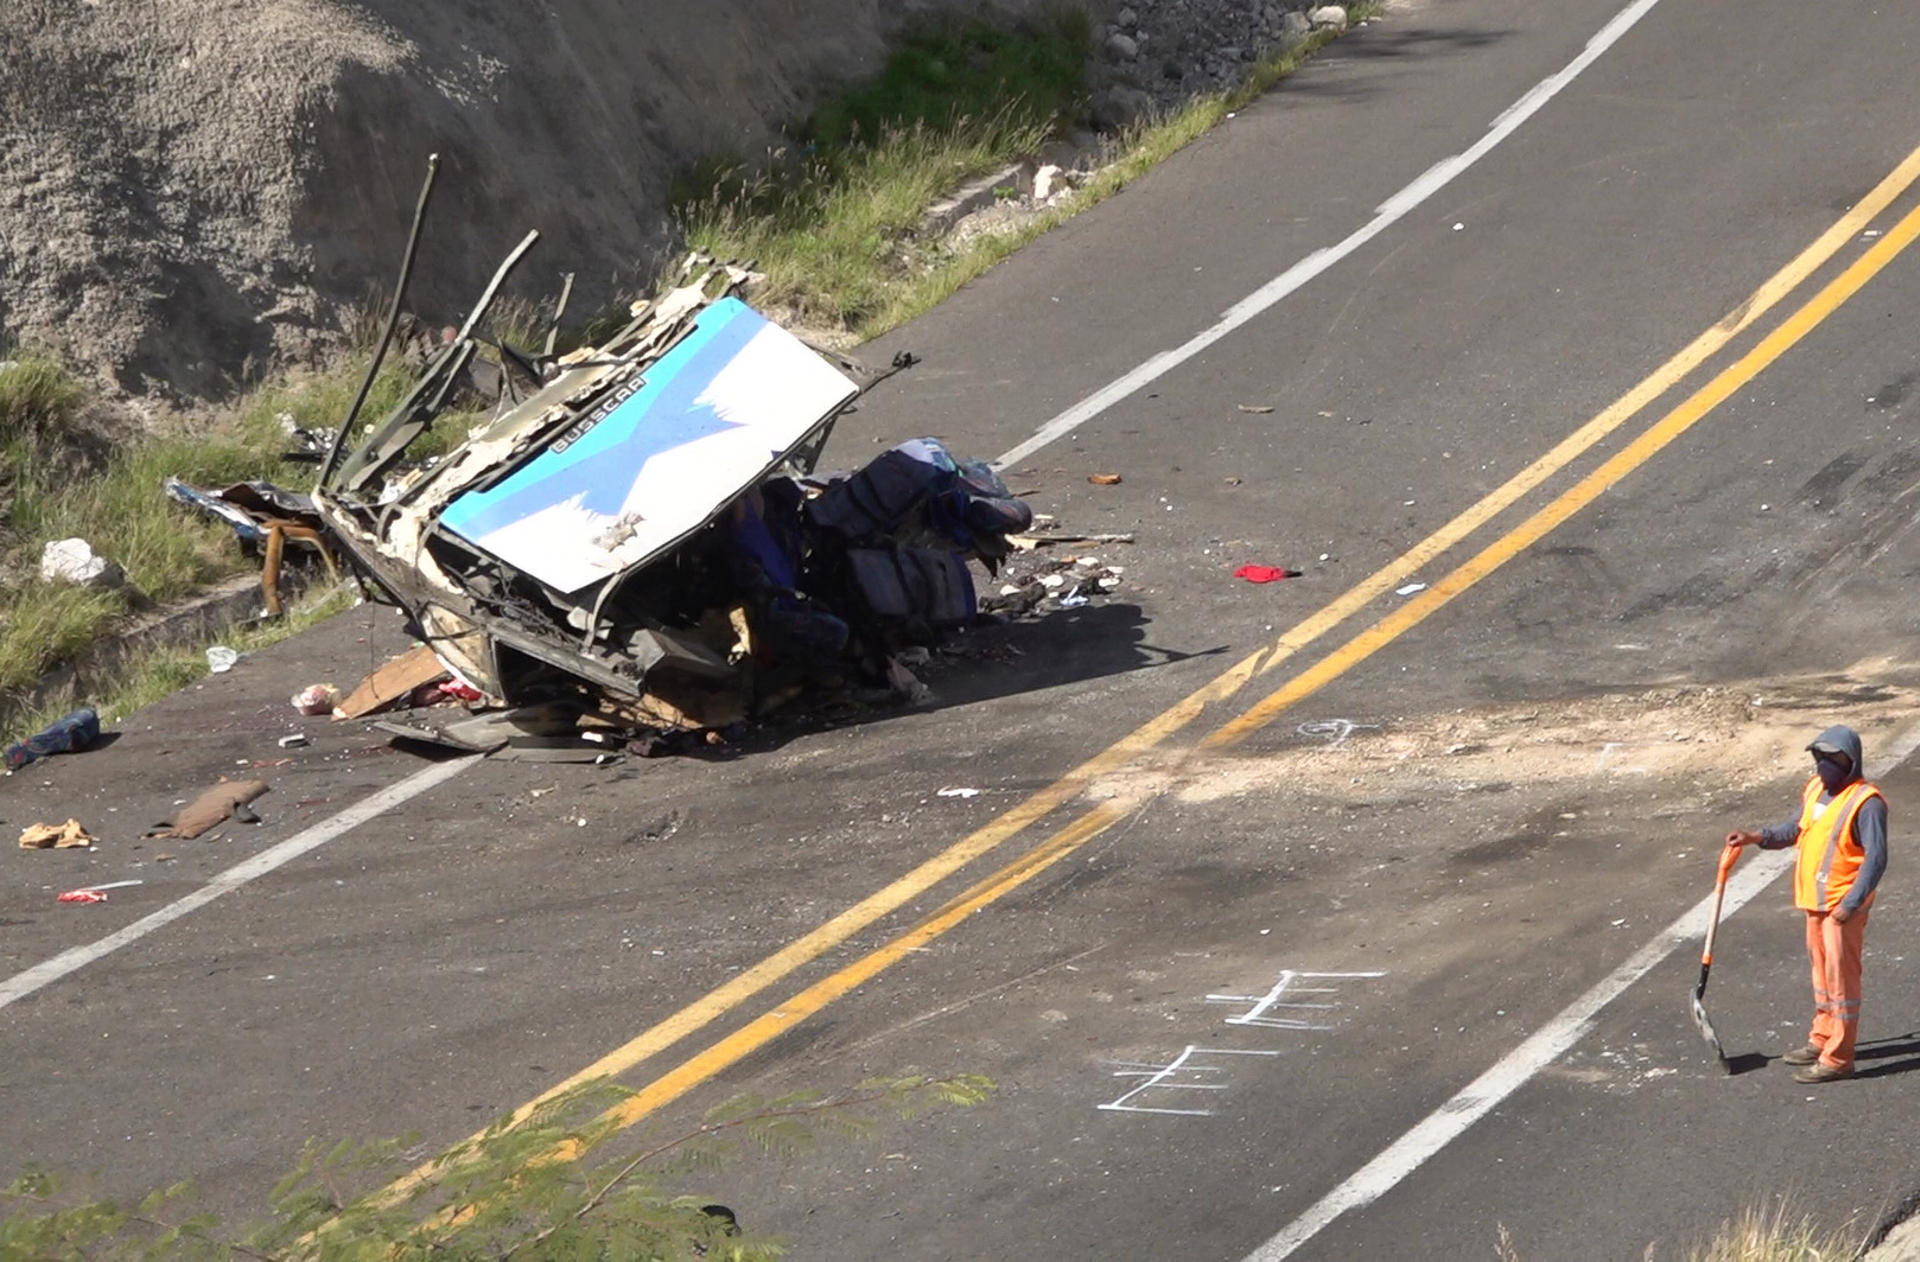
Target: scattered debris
{"points": [[1264, 573], [264, 517], [72, 733], [1067, 582], [294, 741], [95, 893], [315, 699], [1028, 542], [1105, 479], [1258, 409], [958, 793], [1410, 589], [251, 508], [225, 800], [397, 678], [67, 836], [486, 733], [74, 561], [221, 659], [641, 539]]}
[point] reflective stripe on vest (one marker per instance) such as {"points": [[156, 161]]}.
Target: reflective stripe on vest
{"points": [[1829, 856]]}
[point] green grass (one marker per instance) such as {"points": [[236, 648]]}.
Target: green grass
{"points": [[1153, 141], [37, 396], [835, 233], [958, 70], [834, 229], [148, 677], [113, 499], [828, 237]]}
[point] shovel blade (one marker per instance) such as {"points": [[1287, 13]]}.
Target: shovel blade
{"points": [[1706, 1028]]}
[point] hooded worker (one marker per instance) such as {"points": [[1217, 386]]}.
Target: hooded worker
{"points": [[1841, 833]]}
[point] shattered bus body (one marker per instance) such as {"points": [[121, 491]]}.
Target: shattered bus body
{"points": [[643, 533]]}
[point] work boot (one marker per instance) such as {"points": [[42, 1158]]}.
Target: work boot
{"points": [[1802, 1055], [1822, 1072]]}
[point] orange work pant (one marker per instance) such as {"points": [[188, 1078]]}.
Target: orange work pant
{"points": [[1834, 951]]}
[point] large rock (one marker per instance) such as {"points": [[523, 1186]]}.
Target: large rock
{"points": [[1328, 17], [1120, 105], [75, 561]]}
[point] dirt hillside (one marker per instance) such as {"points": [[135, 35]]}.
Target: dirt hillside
{"points": [[194, 188]]}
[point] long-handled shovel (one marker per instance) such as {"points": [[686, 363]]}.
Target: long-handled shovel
{"points": [[1727, 858]]}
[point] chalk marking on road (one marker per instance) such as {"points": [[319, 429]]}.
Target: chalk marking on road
{"points": [[1160, 728], [1161, 1078], [72, 960], [1389, 212], [1281, 996], [1336, 730], [705, 1064], [1156, 731], [1552, 1041]]}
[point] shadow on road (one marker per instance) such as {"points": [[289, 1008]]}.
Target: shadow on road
{"points": [[1905, 1045], [991, 661], [1063, 647], [1383, 45]]}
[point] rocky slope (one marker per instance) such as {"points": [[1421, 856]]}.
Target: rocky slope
{"points": [[195, 189]]}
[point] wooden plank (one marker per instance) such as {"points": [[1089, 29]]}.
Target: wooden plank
{"points": [[391, 682]]}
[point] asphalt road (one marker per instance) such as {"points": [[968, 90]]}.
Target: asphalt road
{"points": [[1470, 804]]}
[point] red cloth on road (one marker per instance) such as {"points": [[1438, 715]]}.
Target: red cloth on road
{"points": [[1264, 573]]}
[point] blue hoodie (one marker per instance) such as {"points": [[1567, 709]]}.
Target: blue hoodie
{"points": [[1869, 823]]}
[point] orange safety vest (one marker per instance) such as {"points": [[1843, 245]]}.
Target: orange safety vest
{"points": [[1829, 857]]}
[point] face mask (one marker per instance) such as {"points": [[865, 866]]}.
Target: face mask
{"points": [[1833, 775]]}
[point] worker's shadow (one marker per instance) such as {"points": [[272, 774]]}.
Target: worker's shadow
{"points": [[1902, 1045], [1882, 1053]]}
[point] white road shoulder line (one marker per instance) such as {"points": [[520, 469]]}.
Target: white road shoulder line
{"points": [[1479, 1097], [1390, 212], [22, 984]]}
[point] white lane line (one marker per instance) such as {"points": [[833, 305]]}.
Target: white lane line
{"points": [[22, 984], [1474, 1101], [1390, 212]]}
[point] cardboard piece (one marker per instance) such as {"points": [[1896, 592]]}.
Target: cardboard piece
{"points": [[393, 681], [67, 836]]}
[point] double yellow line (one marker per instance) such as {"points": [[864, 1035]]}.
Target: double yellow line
{"points": [[1128, 751]]}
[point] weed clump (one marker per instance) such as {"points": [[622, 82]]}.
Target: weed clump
{"points": [[830, 221]]}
